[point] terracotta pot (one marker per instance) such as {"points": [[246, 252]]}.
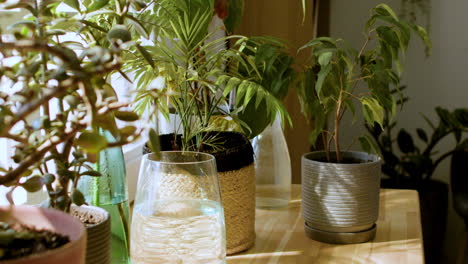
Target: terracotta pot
{"points": [[72, 253]]}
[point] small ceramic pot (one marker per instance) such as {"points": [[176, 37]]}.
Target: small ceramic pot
{"points": [[341, 200], [98, 244], [56, 221]]}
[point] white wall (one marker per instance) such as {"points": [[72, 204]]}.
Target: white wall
{"points": [[439, 80]]}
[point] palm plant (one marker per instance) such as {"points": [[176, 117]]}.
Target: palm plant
{"points": [[200, 74]]}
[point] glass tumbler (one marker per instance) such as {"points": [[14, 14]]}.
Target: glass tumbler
{"points": [[177, 215]]}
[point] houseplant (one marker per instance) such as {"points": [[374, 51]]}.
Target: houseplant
{"points": [[57, 102], [328, 88], [272, 161], [200, 76], [414, 166]]}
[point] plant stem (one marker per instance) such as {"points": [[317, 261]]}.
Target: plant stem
{"points": [[337, 126], [326, 144]]}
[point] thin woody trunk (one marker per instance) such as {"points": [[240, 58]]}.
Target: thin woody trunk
{"points": [[337, 129]]}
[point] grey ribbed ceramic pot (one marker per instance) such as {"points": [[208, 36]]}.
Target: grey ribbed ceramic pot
{"points": [[340, 201], [98, 244]]}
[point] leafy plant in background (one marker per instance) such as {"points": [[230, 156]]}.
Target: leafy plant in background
{"points": [[411, 9], [56, 149], [329, 87], [416, 164], [274, 73]]}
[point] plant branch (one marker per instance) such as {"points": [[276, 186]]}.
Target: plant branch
{"points": [[35, 157]]}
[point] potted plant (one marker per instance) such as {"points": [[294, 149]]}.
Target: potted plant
{"points": [[202, 82], [411, 167], [57, 102], [272, 161], [341, 188]]}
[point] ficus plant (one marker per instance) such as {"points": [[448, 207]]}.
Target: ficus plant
{"points": [[330, 86], [56, 102]]}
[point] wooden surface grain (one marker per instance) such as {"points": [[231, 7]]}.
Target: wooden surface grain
{"points": [[281, 238]]}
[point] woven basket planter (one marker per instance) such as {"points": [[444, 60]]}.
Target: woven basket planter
{"points": [[340, 200]]}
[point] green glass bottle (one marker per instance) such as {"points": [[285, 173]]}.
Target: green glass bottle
{"points": [[109, 191]]}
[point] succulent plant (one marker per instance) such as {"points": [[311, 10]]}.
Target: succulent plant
{"points": [[45, 72]]}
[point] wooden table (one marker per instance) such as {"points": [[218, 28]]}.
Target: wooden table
{"points": [[281, 238]]}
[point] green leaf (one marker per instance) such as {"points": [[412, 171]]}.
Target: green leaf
{"points": [[322, 75], [126, 116], [154, 141], [91, 173], [138, 26], [429, 122], [77, 197], [48, 178], [33, 184], [97, 4], [319, 41], [146, 55], [75, 4], [92, 142], [324, 58], [373, 111], [405, 142], [425, 38], [119, 32], [128, 131], [422, 134], [368, 144], [384, 9]]}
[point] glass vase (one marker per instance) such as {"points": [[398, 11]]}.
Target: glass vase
{"points": [[177, 216], [272, 168], [109, 191]]}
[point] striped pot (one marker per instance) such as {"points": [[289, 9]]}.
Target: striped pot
{"points": [[340, 200]]}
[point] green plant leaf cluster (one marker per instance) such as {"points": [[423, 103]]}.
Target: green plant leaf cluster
{"points": [[329, 87], [275, 74], [419, 157], [196, 72], [52, 150]]}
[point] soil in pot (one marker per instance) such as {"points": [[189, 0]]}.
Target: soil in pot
{"points": [[18, 240]]}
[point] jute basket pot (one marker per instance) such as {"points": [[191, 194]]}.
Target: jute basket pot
{"points": [[340, 200], [236, 173], [98, 243], [56, 221]]}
